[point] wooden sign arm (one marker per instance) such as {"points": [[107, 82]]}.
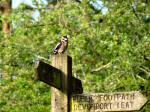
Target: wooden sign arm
{"points": [[48, 74], [52, 76]]}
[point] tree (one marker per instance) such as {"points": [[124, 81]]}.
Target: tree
{"points": [[5, 9], [110, 51]]}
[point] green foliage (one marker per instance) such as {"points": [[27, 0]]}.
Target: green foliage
{"points": [[110, 52]]}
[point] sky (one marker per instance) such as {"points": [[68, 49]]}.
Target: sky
{"points": [[16, 3], [36, 14], [100, 6]]}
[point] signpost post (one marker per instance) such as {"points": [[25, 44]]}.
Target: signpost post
{"points": [[67, 91], [59, 77]]}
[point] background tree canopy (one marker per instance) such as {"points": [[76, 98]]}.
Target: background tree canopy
{"points": [[110, 49]]}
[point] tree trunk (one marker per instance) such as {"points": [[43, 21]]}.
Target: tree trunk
{"points": [[5, 9]]}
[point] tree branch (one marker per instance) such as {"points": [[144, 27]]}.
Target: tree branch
{"points": [[102, 67]]}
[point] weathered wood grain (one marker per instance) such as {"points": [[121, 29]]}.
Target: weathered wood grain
{"points": [[101, 102], [53, 77], [60, 100]]}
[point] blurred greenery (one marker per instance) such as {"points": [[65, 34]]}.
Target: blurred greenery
{"points": [[110, 52]]}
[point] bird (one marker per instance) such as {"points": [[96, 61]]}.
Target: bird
{"points": [[62, 46]]}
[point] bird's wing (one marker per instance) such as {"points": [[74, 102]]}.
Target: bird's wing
{"points": [[57, 47]]}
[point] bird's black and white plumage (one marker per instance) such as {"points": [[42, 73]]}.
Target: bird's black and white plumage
{"points": [[62, 46]]}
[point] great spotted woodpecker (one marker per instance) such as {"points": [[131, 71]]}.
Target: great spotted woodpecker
{"points": [[62, 46]]}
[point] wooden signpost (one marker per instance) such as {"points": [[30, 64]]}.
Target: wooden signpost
{"points": [[59, 77], [100, 102], [66, 91]]}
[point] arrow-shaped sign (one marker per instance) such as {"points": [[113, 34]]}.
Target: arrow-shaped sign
{"points": [[99, 102]]}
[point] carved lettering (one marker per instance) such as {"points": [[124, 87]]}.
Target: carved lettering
{"points": [[123, 101]]}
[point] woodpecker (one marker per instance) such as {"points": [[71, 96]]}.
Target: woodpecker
{"points": [[62, 46]]}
